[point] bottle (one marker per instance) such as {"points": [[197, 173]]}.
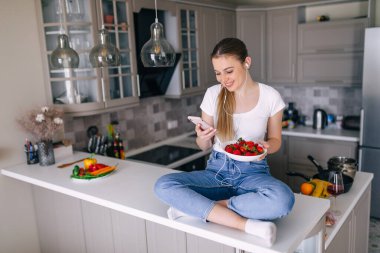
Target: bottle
{"points": [[121, 150], [116, 148]]}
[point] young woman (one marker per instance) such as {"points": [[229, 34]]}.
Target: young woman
{"points": [[241, 195]]}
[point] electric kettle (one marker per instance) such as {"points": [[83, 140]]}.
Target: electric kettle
{"points": [[319, 119]]}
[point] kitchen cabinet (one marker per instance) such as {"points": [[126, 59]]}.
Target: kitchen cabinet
{"points": [[321, 149], [68, 224], [86, 89], [331, 52], [330, 69], [342, 241], [216, 25], [164, 239], [278, 162], [189, 32], [353, 234], [332, 36], [282, 45], [251, 29], [59, 222], [197, 244], [187, 77]]}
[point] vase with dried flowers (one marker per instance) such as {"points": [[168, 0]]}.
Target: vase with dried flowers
{"points": [[42, 124]]}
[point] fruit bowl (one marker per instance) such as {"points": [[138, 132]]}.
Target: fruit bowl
{"points": [[242, 158]]}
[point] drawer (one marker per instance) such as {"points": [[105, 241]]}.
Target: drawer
{"points": [[321, 150]]}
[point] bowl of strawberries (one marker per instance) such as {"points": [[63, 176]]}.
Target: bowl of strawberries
{"points": [[243, 150]]}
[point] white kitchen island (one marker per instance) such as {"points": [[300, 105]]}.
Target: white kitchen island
{"points": [[129, 191]]}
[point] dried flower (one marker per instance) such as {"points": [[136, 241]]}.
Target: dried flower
{"points": [[42, 123]]}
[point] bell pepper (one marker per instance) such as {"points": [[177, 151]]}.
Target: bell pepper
{"points": [[88, 161]]}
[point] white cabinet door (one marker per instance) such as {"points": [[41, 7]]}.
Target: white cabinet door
{"points": [[59, 222], [162, 239], [337, 69], [282, 45], [209, 20], [332, 37], [98, 228], [85, 89], [197, 244], [342, 241], [361, 225], [251, 29]]}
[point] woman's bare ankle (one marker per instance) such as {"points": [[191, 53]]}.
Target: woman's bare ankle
{"points": [[223, 202]]}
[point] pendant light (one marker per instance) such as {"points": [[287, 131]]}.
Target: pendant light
{"points": [[105, 54], [63, 56], [157, 52]]}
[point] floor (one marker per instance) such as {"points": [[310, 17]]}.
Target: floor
{"points": [[374, 236]]}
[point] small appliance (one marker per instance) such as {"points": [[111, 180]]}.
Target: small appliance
{"points": [[319, 119]]}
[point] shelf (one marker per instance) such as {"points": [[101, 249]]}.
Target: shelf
{"points": [[71, 32]]}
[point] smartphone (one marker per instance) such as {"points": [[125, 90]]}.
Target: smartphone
{"points": [[198, 120]]}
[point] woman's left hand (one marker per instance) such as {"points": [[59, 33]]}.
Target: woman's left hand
{"points": [[266, 146]]}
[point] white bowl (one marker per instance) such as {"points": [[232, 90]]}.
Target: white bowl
{"points": [[241, 158]]}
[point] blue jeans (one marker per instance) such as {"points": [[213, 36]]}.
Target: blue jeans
{"points": [[248, 187]]}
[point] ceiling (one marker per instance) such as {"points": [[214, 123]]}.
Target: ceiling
{"points": [[267, 3]]}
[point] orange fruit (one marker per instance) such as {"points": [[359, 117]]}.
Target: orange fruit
{"points": [[307, 188]]}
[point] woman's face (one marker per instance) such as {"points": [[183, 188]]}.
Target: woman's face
{"points": [[229, 71]]}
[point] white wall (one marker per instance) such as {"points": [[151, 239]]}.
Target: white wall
{"points": [[21, 82]]}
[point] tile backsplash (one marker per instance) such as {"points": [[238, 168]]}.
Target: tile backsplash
{"points": [[334, 100], [138, 126], [148, 123]]}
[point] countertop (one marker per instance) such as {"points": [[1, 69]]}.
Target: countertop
{"points": [[327, 133], [130, 190]]}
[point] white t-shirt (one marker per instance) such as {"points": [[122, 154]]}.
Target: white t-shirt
{"points": [[251, 125]]}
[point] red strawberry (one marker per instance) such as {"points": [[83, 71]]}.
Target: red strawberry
{"points": [[249, 153], [237, 152], [260, 149], [229, 149]]}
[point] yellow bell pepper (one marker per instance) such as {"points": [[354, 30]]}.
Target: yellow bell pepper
{"points": [[88, 161]]}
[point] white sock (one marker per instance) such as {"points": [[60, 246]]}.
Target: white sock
{"points": [[174, 214], [263, 229]]}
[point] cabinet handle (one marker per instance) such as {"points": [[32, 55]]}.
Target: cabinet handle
{"points": [[336, 50], [361, 126], [329, 81], [138, 85], [103, 90], [293, 71], [183, 80]]}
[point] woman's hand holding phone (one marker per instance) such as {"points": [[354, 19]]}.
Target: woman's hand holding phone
{"points": [[204, 131]]}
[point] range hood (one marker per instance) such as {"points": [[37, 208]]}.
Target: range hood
{"points": [[153, 81]]}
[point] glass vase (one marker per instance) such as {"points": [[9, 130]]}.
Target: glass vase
{"points": [[46, 153]]}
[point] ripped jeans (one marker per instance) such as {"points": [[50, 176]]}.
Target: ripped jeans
{"points": [[248, 187]]}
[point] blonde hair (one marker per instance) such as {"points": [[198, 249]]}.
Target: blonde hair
{"points": [[225, 110], [226, 100]]}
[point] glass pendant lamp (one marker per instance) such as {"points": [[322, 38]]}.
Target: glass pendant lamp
{"points": [[104, 54], [157, 52], [63, 56]]}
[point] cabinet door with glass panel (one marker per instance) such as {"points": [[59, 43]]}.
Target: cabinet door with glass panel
{"points": [[190, 50], [87, 89]]}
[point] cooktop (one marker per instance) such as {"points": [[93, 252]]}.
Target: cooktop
{"points": [[164, 155]]}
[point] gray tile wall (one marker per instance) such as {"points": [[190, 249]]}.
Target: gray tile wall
{"points": [[334, 100], [138, 126], [147, 123]]}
